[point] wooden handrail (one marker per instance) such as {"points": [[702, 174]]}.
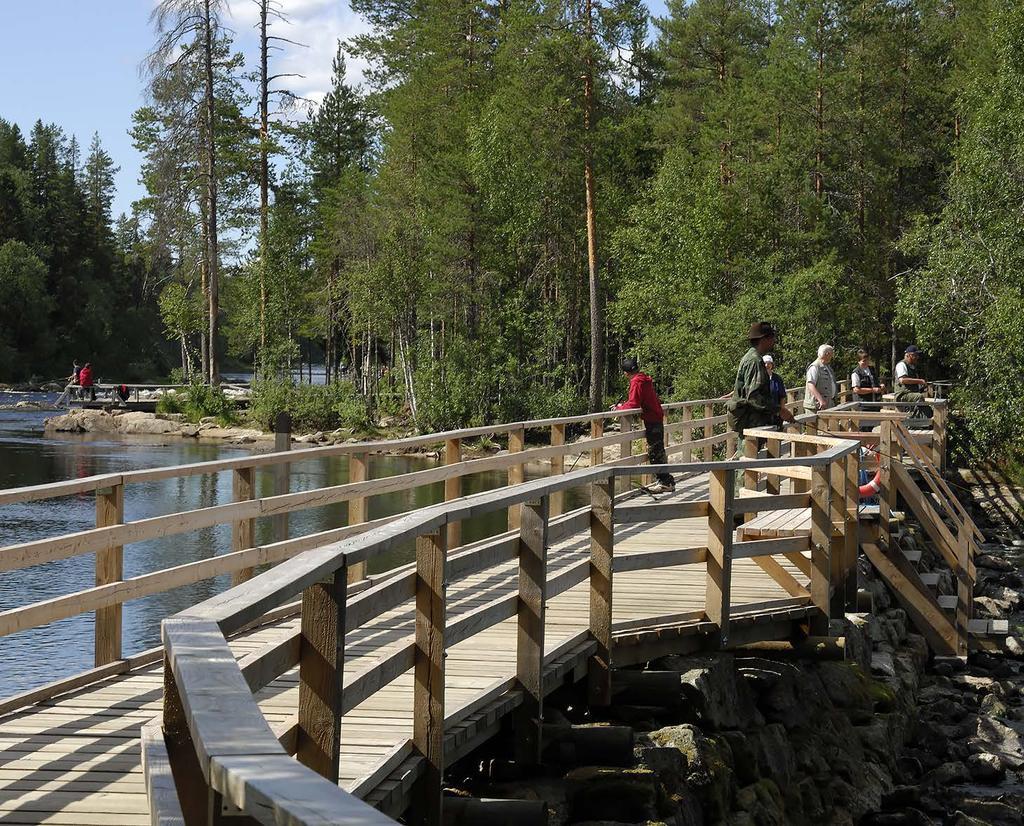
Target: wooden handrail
{"points": [[197, 635]]}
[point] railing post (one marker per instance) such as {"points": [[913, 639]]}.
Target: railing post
{"points": [[596, 432], [887, 493], [821, 541], [800, 450], [750, 452], [533, 544], [602, 547], [626, 425], [321, 675], [853, 534], [773, 484], [243, 531], [428, 680], [109, 568], [557, 466], [687, 431], [843, 527], [718, 583], [939, 415], [453, 489], [282, 470], [516, 473], [358, 471], [707, 452]]}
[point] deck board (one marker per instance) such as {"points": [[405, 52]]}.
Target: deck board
{"points": [[75, 759]]}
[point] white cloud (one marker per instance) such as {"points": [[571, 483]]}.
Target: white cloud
{"points": [[318, 25]]}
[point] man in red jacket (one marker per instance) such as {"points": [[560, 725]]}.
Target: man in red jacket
{"points": [[86, 382], [642, 396]]}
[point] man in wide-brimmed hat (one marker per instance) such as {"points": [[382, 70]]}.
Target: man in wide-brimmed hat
{"points": [[752, 403], [910, 387]]}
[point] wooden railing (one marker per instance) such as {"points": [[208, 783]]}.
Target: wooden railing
{"points": [[934, 506], [693, 428], [223, 750]]}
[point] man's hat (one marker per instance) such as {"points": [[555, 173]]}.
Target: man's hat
{"points": [[911, 349], [760, 329]]}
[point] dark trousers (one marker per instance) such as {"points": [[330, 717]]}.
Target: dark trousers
{"points": [[654, 432]]}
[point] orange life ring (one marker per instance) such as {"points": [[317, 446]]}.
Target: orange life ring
{"points": [[874, 487]]}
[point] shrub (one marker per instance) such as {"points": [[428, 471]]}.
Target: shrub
{"points": [[312, 407], [169, 403], [198, 401]]}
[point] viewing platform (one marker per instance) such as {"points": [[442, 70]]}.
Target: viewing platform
{"points": [[311, 692]]}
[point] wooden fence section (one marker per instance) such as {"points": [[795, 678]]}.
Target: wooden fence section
{"points": [[706, 433], [224, 752]]}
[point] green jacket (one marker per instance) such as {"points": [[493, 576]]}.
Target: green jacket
{"points": [[752, 403], [910, 393]]}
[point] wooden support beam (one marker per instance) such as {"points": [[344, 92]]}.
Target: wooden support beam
{"points": [[557, 467], [243, 531], [428, 685], [852, 535], [282, 471], [801, 449], [358, 471], [516, 473], [321, 675], [453, 489], [602, 543], [914, 597], [533, 549], [109, 568], [628, 425], [964, 590], [821, 540], [194, 795], [783, 577], [719, 559]]}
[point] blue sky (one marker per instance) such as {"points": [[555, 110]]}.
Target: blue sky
{"points": [[76, 63]]}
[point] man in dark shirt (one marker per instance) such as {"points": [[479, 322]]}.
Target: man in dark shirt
{"points": [[752, 403]]}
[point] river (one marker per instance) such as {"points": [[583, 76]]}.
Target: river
{"points": [[30, 457]]}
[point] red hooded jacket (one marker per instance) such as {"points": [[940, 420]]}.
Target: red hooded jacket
{"points": [[642, 395], [85, 377]]}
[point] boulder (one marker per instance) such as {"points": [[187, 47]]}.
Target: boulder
{"points": [[774, 753], [764, 802], [722, 700], [994, 737], [992, 811], [986, 768], [992, 706], [993, 563], [709, 761]]}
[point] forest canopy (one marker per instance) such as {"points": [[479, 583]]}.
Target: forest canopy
{"points": [[519, 193]]}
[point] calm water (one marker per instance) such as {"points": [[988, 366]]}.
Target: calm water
{"points": [[27, 457]]}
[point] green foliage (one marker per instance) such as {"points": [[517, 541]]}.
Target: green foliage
{"points": [[24, 306], [311, 406], [966, 301]]}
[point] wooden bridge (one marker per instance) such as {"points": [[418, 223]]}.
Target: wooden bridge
{"points": [[312, 693]]}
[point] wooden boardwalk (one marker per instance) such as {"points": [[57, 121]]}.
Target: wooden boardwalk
{"points": [[75, 759]]}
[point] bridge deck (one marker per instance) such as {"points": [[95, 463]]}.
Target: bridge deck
{"points": [[75, 759]]}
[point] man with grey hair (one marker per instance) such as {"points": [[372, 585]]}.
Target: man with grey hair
{"points": [[820, 389]]}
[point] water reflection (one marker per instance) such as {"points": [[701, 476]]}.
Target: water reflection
{"points": [[27, 457]]}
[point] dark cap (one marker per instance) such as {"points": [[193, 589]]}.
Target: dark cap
{"points": [[911, 349], [760, 329], [629, 365]]}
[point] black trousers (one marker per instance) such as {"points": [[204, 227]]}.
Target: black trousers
{"points": [[654, 432]]}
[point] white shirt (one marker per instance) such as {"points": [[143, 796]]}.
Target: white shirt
{"points": [[901, 370]]}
